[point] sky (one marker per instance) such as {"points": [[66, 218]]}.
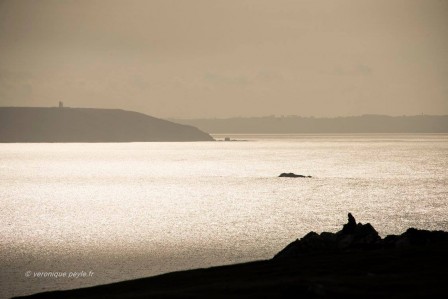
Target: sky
{"points": [[227, 58]]}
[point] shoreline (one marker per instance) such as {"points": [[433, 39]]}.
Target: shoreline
{"points": [[352, 263]]}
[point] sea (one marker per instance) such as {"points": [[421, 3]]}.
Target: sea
{"points": [[81, 214]]}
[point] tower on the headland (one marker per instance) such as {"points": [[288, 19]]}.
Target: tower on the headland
{"points": [[61, 104]]}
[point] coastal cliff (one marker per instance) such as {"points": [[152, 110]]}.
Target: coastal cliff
{"points": [[33, 124]]}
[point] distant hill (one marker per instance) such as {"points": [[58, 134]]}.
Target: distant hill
{"points": [[32, 124], [297, 124]]}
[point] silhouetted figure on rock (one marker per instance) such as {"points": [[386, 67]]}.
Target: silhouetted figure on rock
{"points": [[350, 226], [353, 236]]}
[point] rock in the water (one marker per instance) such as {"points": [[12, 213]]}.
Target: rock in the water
{"points": [[293, 175]]}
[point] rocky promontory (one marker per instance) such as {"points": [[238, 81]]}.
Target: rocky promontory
{"points": [[362, 237]]}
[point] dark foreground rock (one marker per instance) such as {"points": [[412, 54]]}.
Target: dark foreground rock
{"points": [[358, 236], [292, 175], [352, 263]]}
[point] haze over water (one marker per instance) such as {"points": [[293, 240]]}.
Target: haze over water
{"points": [[128, 210]]}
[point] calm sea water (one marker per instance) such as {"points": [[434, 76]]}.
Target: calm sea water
{"points": [[126, 210]]}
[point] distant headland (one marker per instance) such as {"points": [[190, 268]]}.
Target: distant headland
{"points": [[62, 124], [293, 124]]}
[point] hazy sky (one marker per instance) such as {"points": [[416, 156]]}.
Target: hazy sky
{"points": [[203, 58]]}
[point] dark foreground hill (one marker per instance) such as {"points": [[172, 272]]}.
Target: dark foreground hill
{"points": [[353, 263], [32, 124]]}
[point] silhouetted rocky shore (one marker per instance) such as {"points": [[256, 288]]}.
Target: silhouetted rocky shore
{"points": [[352, 263], [362, 237]]}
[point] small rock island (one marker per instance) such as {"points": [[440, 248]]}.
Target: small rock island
{"points": [[292, 175], [62, 124]]}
